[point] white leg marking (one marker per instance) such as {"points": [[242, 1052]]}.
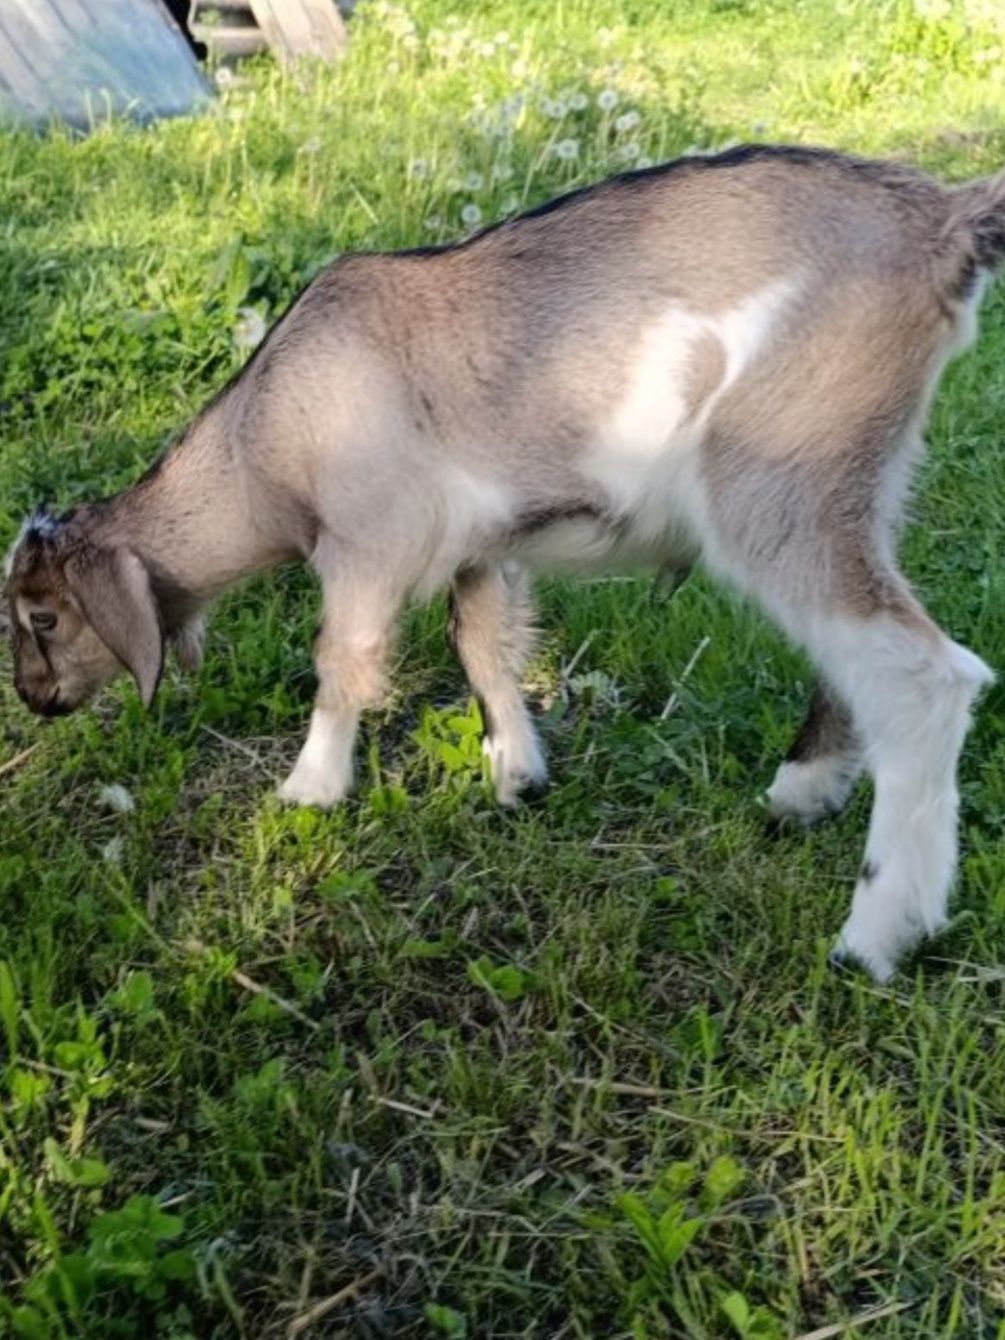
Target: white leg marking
{"points": [[515, 755], [910, 695], [323, 771]]}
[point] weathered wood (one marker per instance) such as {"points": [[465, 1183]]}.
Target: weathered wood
{"points": [[78, 59], [302, 27]]}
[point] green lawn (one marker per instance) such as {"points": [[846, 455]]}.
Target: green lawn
{"points": [[580, 1070]]}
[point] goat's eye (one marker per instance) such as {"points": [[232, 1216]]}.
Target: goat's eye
{"points": [[43, 621]]}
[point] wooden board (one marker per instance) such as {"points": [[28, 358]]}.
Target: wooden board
{"points": [[77, 60], [302, 27]]}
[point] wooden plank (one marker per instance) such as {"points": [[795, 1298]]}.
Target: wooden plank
{"points": [[302, 28], [225, 40]]}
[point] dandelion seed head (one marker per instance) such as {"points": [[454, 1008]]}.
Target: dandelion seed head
{"points": [[249, 328], [567, 150], [607, 99], [626, 121], [471, 215]]}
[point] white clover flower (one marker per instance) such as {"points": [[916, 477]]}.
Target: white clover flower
{"points": [[627, 121], [567, 150], [117, 798], [474, 181], [578, 102], [418, 168], [607, 100], [471, 215], [249, 328]]}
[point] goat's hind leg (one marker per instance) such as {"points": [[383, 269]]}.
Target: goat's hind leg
{"points": [[350, 653], [492, 630], [820, 770], [910, 690]]}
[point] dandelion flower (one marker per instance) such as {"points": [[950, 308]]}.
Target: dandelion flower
{"points": [[607, 100], [567, 150], [471, 215], [249, 328], [627, 121]]}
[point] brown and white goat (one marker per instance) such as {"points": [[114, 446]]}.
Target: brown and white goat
{"points": [[727, 359]]}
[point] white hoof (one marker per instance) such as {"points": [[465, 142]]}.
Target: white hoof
{"points": [[883, 926], [304, 786], [812, 790], [846, 949], [517, 765]]}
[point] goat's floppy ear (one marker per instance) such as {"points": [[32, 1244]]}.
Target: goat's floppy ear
{"points": [[113, 588]]}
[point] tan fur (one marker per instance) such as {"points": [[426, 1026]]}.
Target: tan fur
{"points": [[726, 360]]}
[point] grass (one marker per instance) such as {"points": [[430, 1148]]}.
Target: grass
{"points": [[419, 1067]]}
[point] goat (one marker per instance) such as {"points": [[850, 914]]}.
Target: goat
{"points": [[726, 359]]}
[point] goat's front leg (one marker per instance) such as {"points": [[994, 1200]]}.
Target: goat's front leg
{"points": [[492, 630], [350, 653], [822, 767]]}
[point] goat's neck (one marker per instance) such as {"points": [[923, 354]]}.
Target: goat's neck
{"points": [[199, 520]]}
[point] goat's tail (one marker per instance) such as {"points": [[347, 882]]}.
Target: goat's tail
{"points": [[977, 223]]}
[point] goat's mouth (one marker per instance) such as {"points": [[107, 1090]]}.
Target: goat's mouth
{"points": [[51, 706], [54, 706]]}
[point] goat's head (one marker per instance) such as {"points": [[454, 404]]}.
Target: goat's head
{"points": [[80, 614]]}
